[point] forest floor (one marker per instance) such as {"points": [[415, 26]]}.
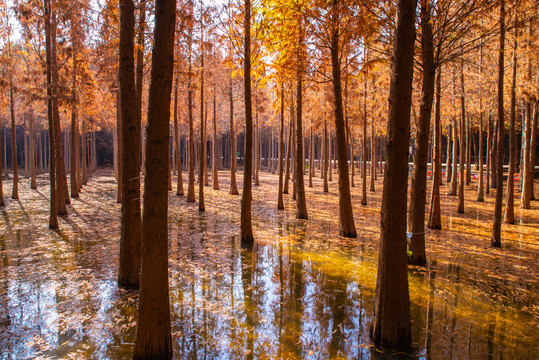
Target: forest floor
{"points": [[303, 292]]}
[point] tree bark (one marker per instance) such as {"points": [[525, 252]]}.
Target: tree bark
{"points": [[526, 193], [74, 137], [301, 202], [418, 194], [392, 322], [153, 335], [288, 155], [191, 175], [131, 227], [497, 225], [462, 146], [233, 185], [280, 200], [179, 185], [449, 157], [214, 145], [509, 216], [346, 215], [435, 218], [246, 228]]}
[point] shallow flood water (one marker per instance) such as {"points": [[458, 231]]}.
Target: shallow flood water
{"points": [[302, 293]]}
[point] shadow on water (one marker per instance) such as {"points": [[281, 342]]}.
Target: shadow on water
{"points": [[299, 293]]}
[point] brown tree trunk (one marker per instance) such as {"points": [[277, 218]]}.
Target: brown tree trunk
{"points": [[74, 138], [214, 144], [449, 157], [61, 181], [153, 335], [280, 200], [418, 194], [497, 225], [311, 158], [233, 185], [392, 322], [489, 154], [179, 185], [288, 155], [130, 240], [435, 218], [15, 190], [533, 150], [373, 158], [191, 175], [246, 228], [528, 165], [346, 215], [301, 202], [53, 214], [462, 146], [32, 157], [509, 216], [1, 171], [326, 156], [364, 145], [480, 187]]}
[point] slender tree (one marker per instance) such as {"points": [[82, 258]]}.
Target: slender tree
{"points": [[153, 335], [280, 201], [392, 322], [246, 228], [497, 225], [509, 215]]}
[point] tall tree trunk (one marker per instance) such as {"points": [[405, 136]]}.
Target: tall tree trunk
{"points": [[497, 225], [480, 187], [191, 175], [462, 146], [364, 145], [179, 185], [61, 181], [74, 137], [449, 157], [326, 156], [214, 145], [469, 145], [509, 216], [373, 158], [15, 190], [257, 146], [53, 214], [489, 154], [418, 194], [528, 164], [311, 158], [346, 215], [246, 228], [153, 336], [280, 201], [533, 150], [392, 322], [301, 202], [131, 227], [288, 155], [435, 217], [233, 185], [32, 157], [2, 166]]}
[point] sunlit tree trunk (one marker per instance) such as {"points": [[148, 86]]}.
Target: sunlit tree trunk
{"points": [[131, 228], [489, 154], [435, 218], [533, 150], [301, 202], [462, 146], [497, 226], [373, 158], [191, 175], [449, 157], [32, 155], [326, 156], [509, 216], [257, 146], [392, 322], [74, 137], [153, 335], [346, 216], [480, 187], [214, 145], [246, 228], [61, 181], [418, 194], [527, 172], [233, 185], [311, 158], [288, 155], [179, 185], [53, 214], [15, 189], [280, 201], [364, 145]]}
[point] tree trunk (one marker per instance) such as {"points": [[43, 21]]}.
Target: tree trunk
{"points": [[74, 138], [288, 155], [449, 157], [509, 216], [179, 185], [53, 214], [528, 164], [32, 157], [301, 202], [418, 194], [392, 323], [191, 175], [214, 145], [15, 190], [280, 200], [346, 215], [497, 226], [373, 158], [202, 163], [435, 217], [311, 159], [462, 147], [153, 335], [489, 151], [233, 185], [533, 150], [480, 187], [326, 156], [364, 145], [130, 240], [246, 228]]}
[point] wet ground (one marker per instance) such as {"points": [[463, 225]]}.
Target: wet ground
{"points": [[303, 293]]}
